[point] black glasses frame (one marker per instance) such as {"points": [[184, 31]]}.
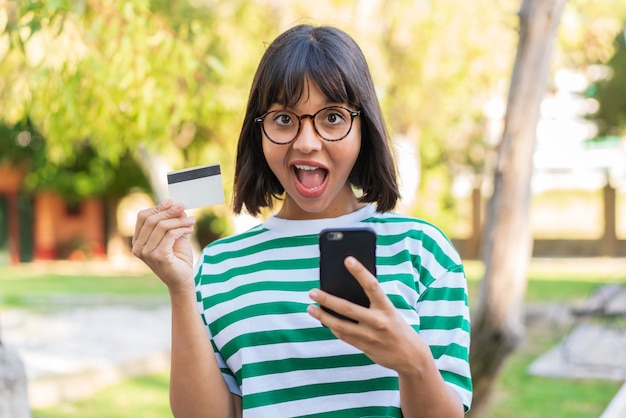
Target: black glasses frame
{"points": [[353, 114]]}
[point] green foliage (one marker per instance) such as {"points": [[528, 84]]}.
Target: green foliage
{"points": [[132, 79], [20, 144], [442, 62], [103, 78], [591, 36], [173, 77], [25, 18], [211, 226], [80, 175], [587, 30], [77, 177], [611, 93]]}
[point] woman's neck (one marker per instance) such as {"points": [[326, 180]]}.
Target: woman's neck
{"points": [[341, 205]]}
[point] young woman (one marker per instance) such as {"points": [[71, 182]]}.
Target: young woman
{"points": [[248, 335]]}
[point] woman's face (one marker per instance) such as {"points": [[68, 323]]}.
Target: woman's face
{"points": [[314, 172]]}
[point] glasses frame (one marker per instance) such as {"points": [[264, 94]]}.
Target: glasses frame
{"points": [[353, 114]]}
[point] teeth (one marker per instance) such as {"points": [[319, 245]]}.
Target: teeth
{"points": [[306, 167]]}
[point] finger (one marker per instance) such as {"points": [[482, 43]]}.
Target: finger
{"points": [[337, 325], [367, 280], [337, 304], [153, 216], [323, 317], [170, 261], [157, 225], [144, 214], [167, 232]]}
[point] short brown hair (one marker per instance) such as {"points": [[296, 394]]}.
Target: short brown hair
{"points": [[332, 59]]}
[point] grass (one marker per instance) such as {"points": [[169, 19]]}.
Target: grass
{"points": [[37, 286], [537, 396], [552, 281], [145, 397], [562, 280], [517, 393]]}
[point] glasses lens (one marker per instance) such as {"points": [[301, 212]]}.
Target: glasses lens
{"points": [[281, 126], [333, 123]]}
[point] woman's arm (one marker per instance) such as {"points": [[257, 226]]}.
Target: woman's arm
{"points": [[197, 388], [423, 392]]}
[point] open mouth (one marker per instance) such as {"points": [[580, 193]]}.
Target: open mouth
{"points": [[310, 177]]}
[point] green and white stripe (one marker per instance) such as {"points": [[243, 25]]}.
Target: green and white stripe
{"points": [[252, 291]]}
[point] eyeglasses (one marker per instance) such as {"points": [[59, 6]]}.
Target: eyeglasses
{"points": [[331, 124]]}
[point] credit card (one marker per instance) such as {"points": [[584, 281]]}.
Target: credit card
{"points": [[196, 187]]}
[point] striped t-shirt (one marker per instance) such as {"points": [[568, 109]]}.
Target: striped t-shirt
{"points": [[252, 290]]}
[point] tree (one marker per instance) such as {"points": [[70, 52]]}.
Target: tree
{"points": [[114, 87], [435, 70], [498, 321], [115, 77]]}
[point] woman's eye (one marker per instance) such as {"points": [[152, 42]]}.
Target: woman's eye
{"points": [[334, 118], [283, 119]]}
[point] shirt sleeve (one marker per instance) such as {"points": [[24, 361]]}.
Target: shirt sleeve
{"points": [[443, 309]]}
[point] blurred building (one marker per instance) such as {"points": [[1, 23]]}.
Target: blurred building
{"points": [[42, 226]]}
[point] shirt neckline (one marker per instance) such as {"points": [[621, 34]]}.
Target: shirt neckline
{"points": [[314, 226]]}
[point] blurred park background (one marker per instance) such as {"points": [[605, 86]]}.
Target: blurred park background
{"points": [[99, 99]]}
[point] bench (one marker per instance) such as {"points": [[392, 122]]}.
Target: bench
{"points": [[608, 301], [606, 305]]}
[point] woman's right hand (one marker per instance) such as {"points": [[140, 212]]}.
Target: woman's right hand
{"points": [[161, 240]]}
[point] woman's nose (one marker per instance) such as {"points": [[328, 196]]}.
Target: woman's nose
{"points": [[308, 139]]}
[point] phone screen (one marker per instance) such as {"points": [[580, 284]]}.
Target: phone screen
{"points": [[335, 245]]}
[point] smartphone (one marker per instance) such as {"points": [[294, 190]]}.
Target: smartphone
{"points": [[335, 245]]}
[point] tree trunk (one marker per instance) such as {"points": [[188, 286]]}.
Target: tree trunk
{"points": [[498, 325], [156, 167], [13, 394]]}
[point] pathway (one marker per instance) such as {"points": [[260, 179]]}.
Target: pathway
{"points": [[72, 353]]}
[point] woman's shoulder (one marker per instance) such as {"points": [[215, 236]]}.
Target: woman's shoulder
{"points": [[419, 235], [393, 221]]}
